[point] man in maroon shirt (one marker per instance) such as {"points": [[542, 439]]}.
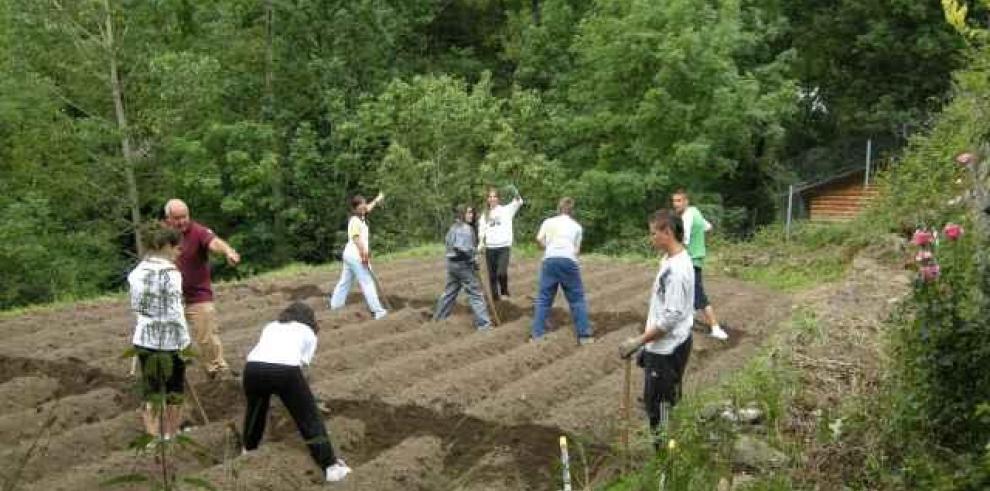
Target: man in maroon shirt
{"points": [[194, 264]]}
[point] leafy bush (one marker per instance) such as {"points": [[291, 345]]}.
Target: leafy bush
{"points": [[939, 349], [932, 411], [43, 260]]}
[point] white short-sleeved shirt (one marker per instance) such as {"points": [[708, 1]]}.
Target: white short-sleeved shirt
{"points": [[356, 228], [155, 286], [672, 303], [496, 224], [562, 236], [285, 343]]}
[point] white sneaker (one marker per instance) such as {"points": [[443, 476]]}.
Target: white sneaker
{"points": [[718, 333], [338, 471]]}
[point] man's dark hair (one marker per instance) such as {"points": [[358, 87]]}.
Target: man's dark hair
{"points": [[356, 201], [668, 220], [301, 313], [682, 192], [158, 236]]}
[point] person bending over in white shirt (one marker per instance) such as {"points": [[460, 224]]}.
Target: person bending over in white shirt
{"points": [[274, 366]]}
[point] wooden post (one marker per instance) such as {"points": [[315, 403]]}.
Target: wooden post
{"points": [[487, 290], [626, 414], [199, 405], [869, 155], [790, 211], [378, 286]]}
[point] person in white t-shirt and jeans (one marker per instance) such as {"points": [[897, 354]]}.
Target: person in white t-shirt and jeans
{"points": [[495, 240], [560, 237], [274, 367], [666, 338], [357, 259]]}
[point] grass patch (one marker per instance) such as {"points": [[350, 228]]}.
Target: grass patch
{"points": [[814, 253], [705, 450]]}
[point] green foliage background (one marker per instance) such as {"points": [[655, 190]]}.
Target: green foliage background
{"points": [[265, 115]]}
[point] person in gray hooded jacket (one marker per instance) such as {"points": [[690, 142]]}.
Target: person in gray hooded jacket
{"points": [[461, 273]]}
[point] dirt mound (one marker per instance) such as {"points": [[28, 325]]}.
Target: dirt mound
{"points": [[413, 404]]}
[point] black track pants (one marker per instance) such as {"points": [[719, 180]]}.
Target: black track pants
{"points": [[261, 380]]}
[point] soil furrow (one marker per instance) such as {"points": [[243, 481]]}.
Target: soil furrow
{"points": [[529, 397]]}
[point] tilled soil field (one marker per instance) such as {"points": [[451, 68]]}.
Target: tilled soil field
{"points": [[413, 404]]}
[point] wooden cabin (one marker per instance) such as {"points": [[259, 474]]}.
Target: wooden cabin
{"points": [[838, 198]]}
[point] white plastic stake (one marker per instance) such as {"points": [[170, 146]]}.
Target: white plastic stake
{"points": [[566, 463]]}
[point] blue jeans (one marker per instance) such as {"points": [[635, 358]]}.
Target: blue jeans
{"points": [[353, 270], [565, 273]]}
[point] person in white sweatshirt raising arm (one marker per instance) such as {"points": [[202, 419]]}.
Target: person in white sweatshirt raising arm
{"points": [[495, 240]]}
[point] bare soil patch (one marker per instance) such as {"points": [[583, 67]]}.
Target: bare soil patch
{"points": [[413, 404]]}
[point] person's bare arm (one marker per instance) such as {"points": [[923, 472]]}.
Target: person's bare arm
{"points": [[218, 246], [362, 250], [375, 202], [652, 334]]}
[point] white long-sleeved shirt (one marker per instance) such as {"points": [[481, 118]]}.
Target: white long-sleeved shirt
{"points": [[495, 226], [155, 286], [672, 303], [285, 343]]}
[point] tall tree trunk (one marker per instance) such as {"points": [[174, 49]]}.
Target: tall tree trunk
{"points": [[536, 11], [278, 181], [130, 158]]}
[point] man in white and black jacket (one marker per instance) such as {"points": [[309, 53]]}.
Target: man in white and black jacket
{"points": [[666, 338], [274, 366], [461, 273]]}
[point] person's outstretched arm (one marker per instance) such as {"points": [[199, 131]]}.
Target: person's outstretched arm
{"points": [[219, 246], [375, 202]]}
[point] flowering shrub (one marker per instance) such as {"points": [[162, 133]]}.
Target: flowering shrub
{"points": [[942, 349]]}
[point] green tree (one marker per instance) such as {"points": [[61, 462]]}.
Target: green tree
{"points": [[868, 69], [676, 92]]}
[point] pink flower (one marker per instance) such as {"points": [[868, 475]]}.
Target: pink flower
{"points": [[929, 272], [953, 231], [922, 238], [923, 257]]}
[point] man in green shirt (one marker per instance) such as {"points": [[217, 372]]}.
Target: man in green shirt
{"points": [[695, 227]]}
